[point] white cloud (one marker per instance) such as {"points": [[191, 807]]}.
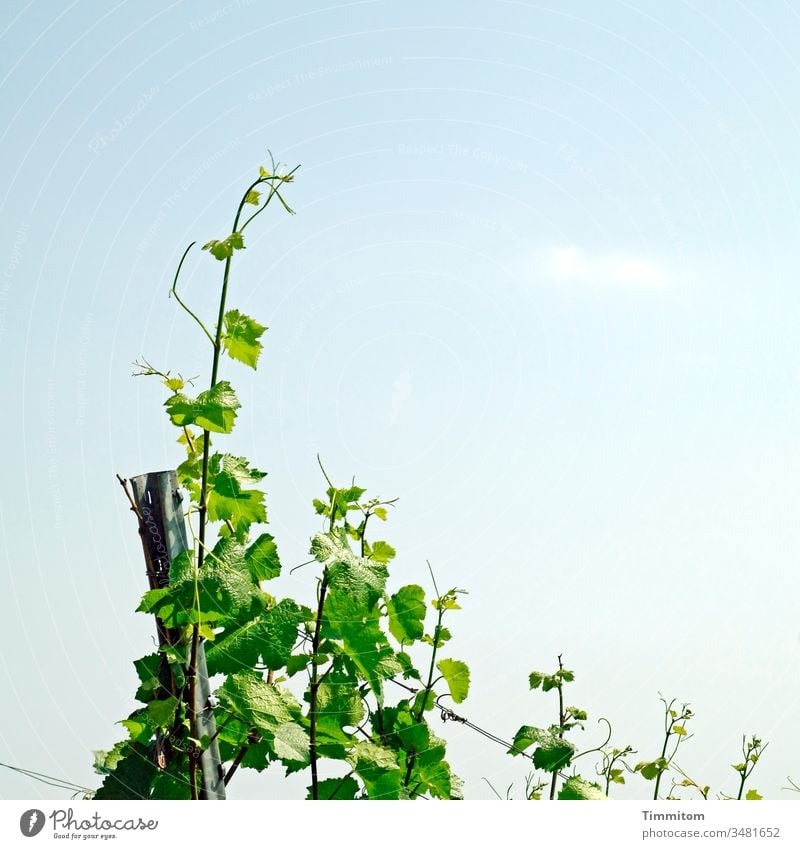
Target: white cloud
{"points": [[570, 263]]}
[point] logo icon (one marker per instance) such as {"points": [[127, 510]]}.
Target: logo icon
{"points": [[31, 822]]}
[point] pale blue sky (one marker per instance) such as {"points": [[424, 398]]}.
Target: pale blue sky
{"points": [[541, 286]]}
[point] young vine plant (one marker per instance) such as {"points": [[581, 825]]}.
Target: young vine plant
{"points": [[332, 687]]}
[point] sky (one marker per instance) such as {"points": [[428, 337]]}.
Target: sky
{"points": [[541, 287]]}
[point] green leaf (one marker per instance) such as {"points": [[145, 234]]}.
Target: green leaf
{"points": [[225, 582], [381, 552], [413, 735], [380, 512], [679, 730], [270, 636], [262, 559], [378, 769], [424, 700], [651, 769], [297, 663], [339, 702], [552, 753], [437, 778], [577, 713], [363, 580], [337, 788], [162, 712], [170, 784], [535, 679], [227, 499], [358, 627], [252, 197], [148, 668], [223, 590], [406, 609], [224, 248], [138, 726], [753, 795], [257, 703], [213, 410], [617, 776], [348, 496], [407, 665], [292, 745], [241, 336], [132, 775], [578, 788], [442, 636], [182, 567], [106, 762], [456, 674], [446, 602]]}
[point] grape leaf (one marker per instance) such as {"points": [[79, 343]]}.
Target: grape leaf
{"points": [[241, 337], [377, 767], [578, 788], [291, 744], [359, 577], [552, 753], [456, 674], [381, 552], [259, 704], [363, 640], [224, 248], [132, 775], [336, 788], [406, 609], [213, 410], [162, 711], [339, 702], [262, 559], [651, 769], [270, 636], [227, 499], [147, 668]]}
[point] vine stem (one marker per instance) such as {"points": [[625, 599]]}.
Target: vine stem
{"points": [[411, 759], [669, 721], [561, 721], [191, 672], [314, 688]]}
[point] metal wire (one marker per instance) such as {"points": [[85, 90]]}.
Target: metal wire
{"points": [[52, 781], [449, 715]]}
